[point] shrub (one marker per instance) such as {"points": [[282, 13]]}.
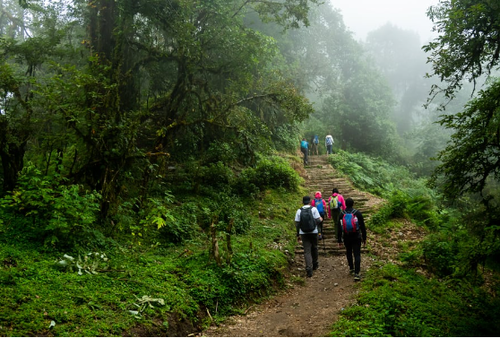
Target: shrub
{"points": [[220, 152], [273, 172], [440, 253], [223, 211], [43, 208], [216, 175]]}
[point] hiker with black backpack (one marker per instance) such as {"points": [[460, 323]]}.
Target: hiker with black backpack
{"points": [[351, 228], [306, 220]]}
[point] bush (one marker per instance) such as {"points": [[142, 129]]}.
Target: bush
{"points": [[217, 176], [420, 208], [274, 172], [223, 211], [43, 208], [440, 253]]}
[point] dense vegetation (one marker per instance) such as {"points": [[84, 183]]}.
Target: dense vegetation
{"points": [[148, 168], [440, 286]]}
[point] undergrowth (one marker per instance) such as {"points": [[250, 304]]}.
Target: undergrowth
{"points": [[401, 300], [394, 301], [182, 262]]}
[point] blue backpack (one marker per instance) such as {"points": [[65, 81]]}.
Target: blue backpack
{"points": [[350, 222], [318, 203], [303, 144], [316, 139]]}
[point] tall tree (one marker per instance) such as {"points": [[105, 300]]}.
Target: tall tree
{"points": [[467, 48], [150, 79], [468, 45]]}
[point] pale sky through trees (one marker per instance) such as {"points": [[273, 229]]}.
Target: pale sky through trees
{"points": [[363, 16]]}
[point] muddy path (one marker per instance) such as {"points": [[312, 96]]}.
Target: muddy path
{"points": [[308, 309]]}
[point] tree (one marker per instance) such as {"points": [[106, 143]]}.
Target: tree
{"points": [[143, 80], [473, 154], [350, 95], [467, 48], [468, 45]]}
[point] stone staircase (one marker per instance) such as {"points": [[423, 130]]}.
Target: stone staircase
{"points": [[322, 177]]}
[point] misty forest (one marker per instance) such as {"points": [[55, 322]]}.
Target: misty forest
{"points": [[151, 166]]}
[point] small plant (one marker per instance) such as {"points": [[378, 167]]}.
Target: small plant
{"points": [[143, 303], [90, 263]]}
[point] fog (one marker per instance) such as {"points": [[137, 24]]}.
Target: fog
{"points": [[363, 16]]}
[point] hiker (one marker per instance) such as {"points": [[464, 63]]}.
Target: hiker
{"points": [[351, 227], [319, 203], [306, 220], [329, 144], [314, 145], [336, 204], [304, 149]]}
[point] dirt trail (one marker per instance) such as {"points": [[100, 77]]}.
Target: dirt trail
{"points": [[309, 310]]}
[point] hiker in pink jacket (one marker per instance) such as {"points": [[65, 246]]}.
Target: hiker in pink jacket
{"points": [[320, 204], [336, 203]]}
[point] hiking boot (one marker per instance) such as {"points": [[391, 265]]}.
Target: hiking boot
{"points": [[357, 277], [351, 271], [309, 273], [315, 267]]}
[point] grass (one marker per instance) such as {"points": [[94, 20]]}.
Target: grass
{"points": [[394, 301]]}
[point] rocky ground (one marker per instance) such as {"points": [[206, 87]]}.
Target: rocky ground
{"points": [[308, 309]]}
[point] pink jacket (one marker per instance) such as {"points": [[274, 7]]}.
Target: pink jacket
{"points": [[341, 200], [313, 203]]}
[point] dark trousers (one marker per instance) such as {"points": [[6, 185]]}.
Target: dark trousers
{"points": [[310, 243], [320, 225], [329, 149], [353, 246], [305, 152]]}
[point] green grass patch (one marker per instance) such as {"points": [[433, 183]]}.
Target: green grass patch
{"points": [[394, 301]]}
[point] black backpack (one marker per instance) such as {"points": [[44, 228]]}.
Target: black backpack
{"points": [[307, 222]]}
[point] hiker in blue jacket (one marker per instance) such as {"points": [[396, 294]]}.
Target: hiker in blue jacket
{"points": [[304, 149], [351, 228]]}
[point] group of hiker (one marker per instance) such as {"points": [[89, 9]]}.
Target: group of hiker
{"points": [[348, 222], [312, 148]]}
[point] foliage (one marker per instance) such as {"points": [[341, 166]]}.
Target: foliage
{"points": [[408, 205], [467, 45], [114, 300], [471, 155], [467, 49], [273, 172], [44, 209], [376, 175], [398, 302]]}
